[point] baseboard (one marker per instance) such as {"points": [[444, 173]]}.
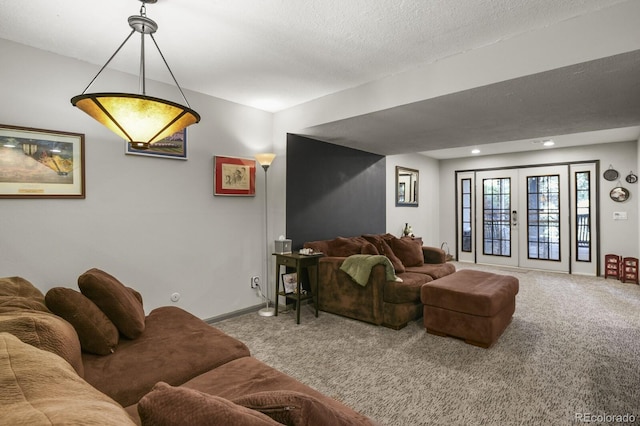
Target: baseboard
{"points": [[239, 312]]}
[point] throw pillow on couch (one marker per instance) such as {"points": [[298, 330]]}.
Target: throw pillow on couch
{"points": [[117, 301], [97, 334]]}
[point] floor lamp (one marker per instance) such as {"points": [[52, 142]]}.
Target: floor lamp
{"points": [[265, 161]]}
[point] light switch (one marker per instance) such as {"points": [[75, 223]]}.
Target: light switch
{"points": [[619, 215]]}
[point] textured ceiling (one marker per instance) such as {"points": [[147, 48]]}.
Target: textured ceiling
{"points": [[274, 54], [592, 96]]}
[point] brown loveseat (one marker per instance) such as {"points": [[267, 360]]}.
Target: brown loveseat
{"points": [[100, 353], [380, 301]]}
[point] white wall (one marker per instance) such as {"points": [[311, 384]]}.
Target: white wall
{"points": [[153, 223], [424, 218], [614, 234]]}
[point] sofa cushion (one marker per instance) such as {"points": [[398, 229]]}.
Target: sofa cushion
{"points": [[248, 375], [18, 293], [45, 331], [295, 408], [166, 405], [407, 291], [435, 271], [376, 240], [41, 388], [174, 347], [409, 251], [115, 300], [96, 332], [369, 248], [344, 247], [395, 260]]}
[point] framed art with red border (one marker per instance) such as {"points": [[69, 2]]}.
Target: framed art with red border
{"points": [[234, 176]]}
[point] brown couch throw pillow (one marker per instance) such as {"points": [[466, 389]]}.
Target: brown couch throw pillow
{"points": [[408, 251], [115, 300], [167, 406], [395, 261], [344, 247], [97, 334], [294, 408], [368, 248]]}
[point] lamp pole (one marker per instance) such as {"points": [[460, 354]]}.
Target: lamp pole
{"points": [[265, 161]]}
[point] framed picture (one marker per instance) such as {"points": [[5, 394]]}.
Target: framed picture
{"points": [[174, 146], [37, 163], [234, 176], [619, 194], [290, 283]]}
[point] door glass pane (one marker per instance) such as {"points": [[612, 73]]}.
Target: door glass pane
{"points": [[496, 221], [543, 215], [466, 215], [583, 216]]}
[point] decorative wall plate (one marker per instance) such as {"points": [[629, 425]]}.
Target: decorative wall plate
{"points": [[611, 174], [631, 178], [619, 194]]}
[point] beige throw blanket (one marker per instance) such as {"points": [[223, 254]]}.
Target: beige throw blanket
{"points": [[359, 266]]}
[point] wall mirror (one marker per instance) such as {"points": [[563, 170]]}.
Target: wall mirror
{"points": [[406, 187]]}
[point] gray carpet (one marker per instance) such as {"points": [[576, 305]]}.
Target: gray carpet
{"points": [[572, 349]]}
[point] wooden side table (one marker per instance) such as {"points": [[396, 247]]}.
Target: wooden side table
{"points": [[299, 262]]}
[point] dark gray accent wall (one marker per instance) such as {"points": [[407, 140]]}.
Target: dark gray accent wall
{"points": [[332, 191]]}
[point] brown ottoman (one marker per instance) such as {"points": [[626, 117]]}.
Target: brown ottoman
{"points": [[476, 306]]}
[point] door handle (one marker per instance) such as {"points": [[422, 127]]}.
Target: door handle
{"points": [[514, 218]]}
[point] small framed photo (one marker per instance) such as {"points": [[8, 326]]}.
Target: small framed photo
{"points": [[174, 146], [36, 163], [290, 283], [234, 176]]}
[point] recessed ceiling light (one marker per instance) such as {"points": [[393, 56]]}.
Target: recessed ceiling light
{"points": [[475, 151], [548, 142]]}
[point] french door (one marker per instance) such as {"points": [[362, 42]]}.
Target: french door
{"points": [[534, 217]]}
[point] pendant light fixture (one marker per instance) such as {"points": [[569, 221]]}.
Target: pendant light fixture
{"points": [[138, 118]]}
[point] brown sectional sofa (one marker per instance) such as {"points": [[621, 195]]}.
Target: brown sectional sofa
{"points": [[176, 370], [381, 301]]}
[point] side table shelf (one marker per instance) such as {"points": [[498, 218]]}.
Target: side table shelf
{"points": [[298, 262]]}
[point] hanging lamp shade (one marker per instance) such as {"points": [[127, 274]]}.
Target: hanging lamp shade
{"points": [[140, 119]]}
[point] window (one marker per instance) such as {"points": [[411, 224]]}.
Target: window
{"points": [[496, 219], [467, 229], [543, 217], [583, 216]]}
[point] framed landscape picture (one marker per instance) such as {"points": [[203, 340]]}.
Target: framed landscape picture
{"points": [[37, 163], [234, 176], [174, 146]]}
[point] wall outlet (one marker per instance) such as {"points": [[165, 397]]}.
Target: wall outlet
{"points": [[255, 281]]}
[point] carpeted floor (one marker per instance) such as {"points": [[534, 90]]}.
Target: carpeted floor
{"points": [[573, 349]]}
